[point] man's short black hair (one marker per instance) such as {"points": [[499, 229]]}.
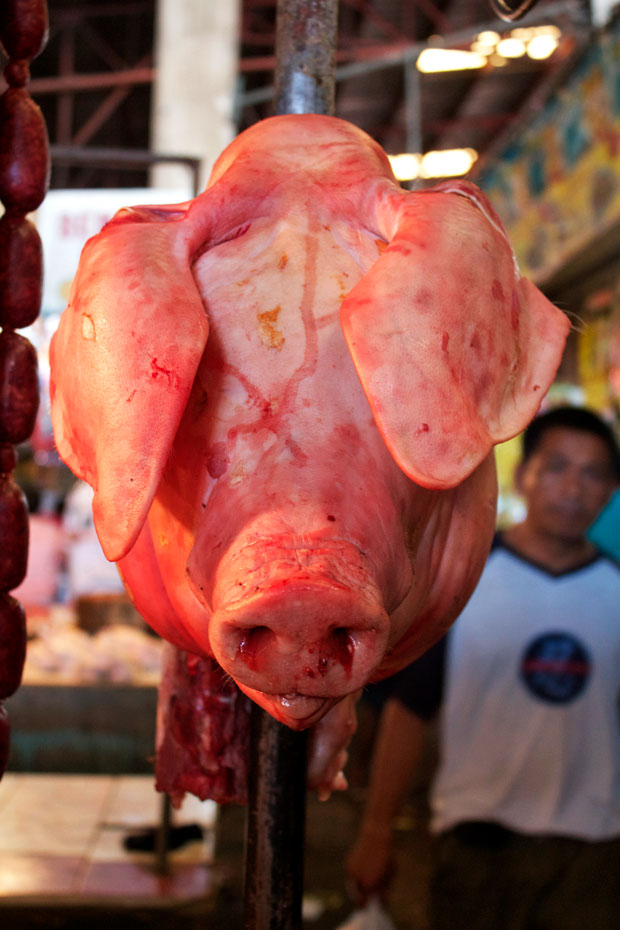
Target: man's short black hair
{"points": [[579, 418]]}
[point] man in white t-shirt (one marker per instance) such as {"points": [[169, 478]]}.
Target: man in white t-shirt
{"points": [[526, 801]]}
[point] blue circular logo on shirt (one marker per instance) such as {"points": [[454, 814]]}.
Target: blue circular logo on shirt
{"points": [[555, 667]]}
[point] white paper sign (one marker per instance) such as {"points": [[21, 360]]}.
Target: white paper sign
{"points": [[68, 218]]}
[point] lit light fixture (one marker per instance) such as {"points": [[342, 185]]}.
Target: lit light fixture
{"points": [[537, 42], [449, 163], [525, 33], [449, 59], [488, 37], [482, 48], [485, 42], [511, 47], [406, 166], [548, 30], [490, 48], [542, 46]]}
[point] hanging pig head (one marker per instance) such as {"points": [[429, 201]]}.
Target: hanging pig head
{"points": [[285, 394]]}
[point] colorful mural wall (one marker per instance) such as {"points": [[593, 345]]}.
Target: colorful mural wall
{"points": [[557, 189], [558, 185]]}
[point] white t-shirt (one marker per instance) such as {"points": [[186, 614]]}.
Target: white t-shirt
{"points": [[530, 727]]}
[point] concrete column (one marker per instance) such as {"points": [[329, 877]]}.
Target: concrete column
{"points": [[196, 55]]}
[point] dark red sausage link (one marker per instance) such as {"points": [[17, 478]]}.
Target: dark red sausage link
{"points": [[12, 645], [21, 271], [5, 739], [19, 387], [8, 458], [17, 73], [24, 153], [24, 179], [13, 533], [24, 27]]}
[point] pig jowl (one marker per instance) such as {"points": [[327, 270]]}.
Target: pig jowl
{"points": [[285, 394]]}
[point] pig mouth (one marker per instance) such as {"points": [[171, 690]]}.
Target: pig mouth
{"points": [[294, 709], [297, 711], [300, 706]]}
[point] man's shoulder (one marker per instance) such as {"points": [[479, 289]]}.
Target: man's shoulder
{"points": [[598, 560], [609, 564]]}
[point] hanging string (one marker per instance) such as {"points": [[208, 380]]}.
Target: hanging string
{"points": [[24, 178]]}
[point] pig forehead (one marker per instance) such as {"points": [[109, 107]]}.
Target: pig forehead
{"points": [[299, 268], [273, 299], [302, 140]]}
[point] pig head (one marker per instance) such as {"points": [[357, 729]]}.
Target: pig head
{"points": [[285, 395]]}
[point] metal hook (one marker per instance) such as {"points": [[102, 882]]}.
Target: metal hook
{"points": [[511, 10]]}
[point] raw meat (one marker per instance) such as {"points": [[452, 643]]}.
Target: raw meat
{"points": [[203, 726], [285, 395]]}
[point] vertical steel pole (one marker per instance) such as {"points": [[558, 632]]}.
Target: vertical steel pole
{"points": [[305, 83], [306, 56], [274, 857], [413, 111]]}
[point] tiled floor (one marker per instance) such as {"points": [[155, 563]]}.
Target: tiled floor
{"points": [[62, 835], [63, 865]]}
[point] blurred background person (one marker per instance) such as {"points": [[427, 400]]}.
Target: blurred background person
{"points": [[525, 805]]}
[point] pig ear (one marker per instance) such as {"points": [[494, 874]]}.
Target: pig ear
{"points": [[123, 362], [454, 349]]}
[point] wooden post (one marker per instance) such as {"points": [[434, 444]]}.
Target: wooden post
{"points": [[305, 83]]}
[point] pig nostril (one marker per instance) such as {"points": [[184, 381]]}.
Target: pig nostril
{"points": [[343, 646], [253, 642]]}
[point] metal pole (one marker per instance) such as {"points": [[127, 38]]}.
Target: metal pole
{"points": [[306, 56], [275, 827], [305, 83], [413, 111], [162, 836]]}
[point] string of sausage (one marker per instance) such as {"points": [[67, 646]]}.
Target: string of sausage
{"points": [[24, 177]]}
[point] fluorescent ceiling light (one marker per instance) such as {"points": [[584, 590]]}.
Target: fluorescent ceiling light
{"points": [[549, 30], [406, 167], [449, 59], [542, 46], [511, 47], [449, 163], [488, 37], [543, 41], [482, 48]]}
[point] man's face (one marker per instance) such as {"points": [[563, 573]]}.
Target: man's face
{"points": [[566, 482]]}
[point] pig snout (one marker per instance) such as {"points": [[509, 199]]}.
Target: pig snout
{"points": [[297, 628], [300, 643]]}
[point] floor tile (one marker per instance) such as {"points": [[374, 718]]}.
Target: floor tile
{"points": [[64, 835], [133, 879], [53, 814], [41, 875]]}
